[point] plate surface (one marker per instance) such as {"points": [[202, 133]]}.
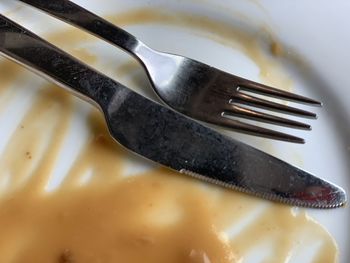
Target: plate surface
{"points": [[315, 62]]}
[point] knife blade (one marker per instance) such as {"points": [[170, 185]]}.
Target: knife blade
{"points": [[166, 137]]}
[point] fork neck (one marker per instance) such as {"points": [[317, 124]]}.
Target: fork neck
{"points": [[113, 34]]}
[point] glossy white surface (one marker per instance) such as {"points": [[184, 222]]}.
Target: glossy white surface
{"points": [[316, 30]]}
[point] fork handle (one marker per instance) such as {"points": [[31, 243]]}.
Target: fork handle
{"points": [[78, 16]]}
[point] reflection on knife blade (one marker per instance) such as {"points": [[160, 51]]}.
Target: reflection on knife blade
{"points": [[163, 136]]}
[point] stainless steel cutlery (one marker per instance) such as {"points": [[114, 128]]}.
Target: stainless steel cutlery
{"points": [[166, 137]]}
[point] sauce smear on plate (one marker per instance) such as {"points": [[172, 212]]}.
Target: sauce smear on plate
{"points": [[101, 213]]}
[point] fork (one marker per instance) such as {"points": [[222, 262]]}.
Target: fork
{"points": [[189, 86]]}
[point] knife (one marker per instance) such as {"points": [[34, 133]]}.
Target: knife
{"points": [[166, 137]]}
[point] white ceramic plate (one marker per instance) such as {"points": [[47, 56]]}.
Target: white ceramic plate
{"points": [[316, 31]]}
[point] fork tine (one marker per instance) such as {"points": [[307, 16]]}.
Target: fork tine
{"points": [[277, 93], [256, 130], [269, 105], [234, 110]]}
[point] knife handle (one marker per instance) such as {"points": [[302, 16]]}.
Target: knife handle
{"points": [[76, 15], [26, 48]]}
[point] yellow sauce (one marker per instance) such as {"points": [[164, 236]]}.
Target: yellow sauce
{"points": [[155, 216]]}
